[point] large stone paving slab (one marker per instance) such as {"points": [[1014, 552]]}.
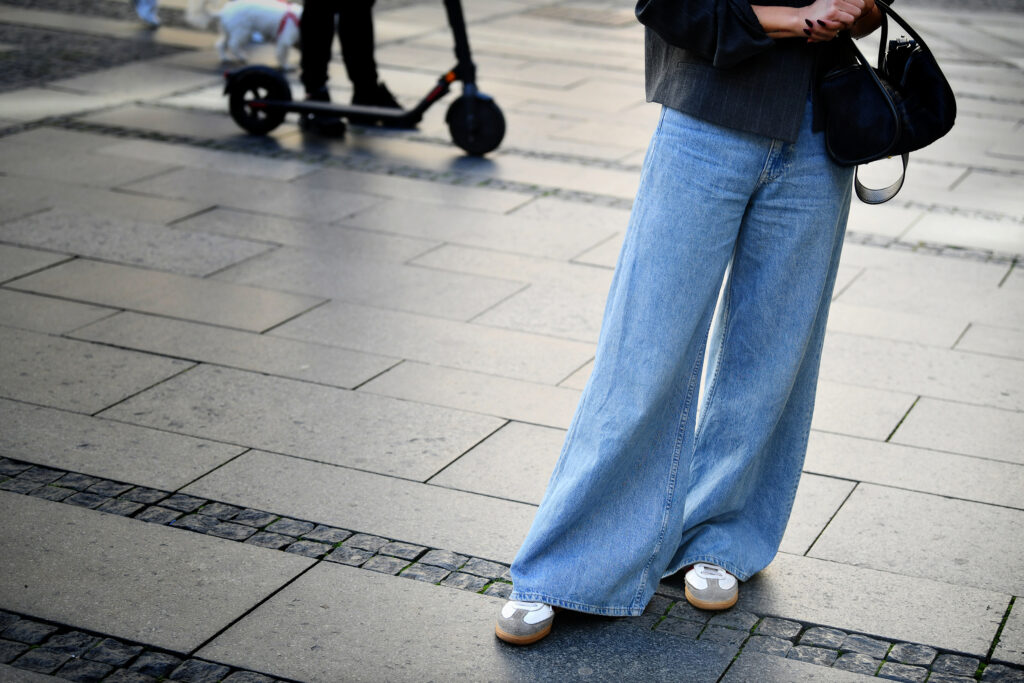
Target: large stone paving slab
{"points": [[961, 428], [513, 463], [22, 196], [817, 499], [928, 371], [511, 233], [362, 501], [330, 425], [12, 675], [364, 630], [361, 281], [1011, 640], [508, 398], [323, 237], [499, 201], [177, 296], [136, 243], [255, 194], [902, 326], [996, 341], [234, 348], [859, 411], [73, 166], [921, 535], [881, 603], [450, 343], [75, 375], [142, 582], [44, 314], [16, 261], [110, 450], [916, 469], [195, 157]]}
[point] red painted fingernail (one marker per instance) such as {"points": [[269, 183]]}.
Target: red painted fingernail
{"points": [[821, 23], [806, 32], [809, 24]]}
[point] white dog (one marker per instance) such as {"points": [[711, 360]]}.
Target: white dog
{"points": [[273, 20]]}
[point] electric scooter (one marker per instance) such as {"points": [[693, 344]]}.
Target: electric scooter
{"points": [[259, 97]]}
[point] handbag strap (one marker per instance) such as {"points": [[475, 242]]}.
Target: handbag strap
{"points": [[870, 195]]}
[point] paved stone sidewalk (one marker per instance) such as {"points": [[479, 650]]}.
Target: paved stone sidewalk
{"points": [[250, 387]]}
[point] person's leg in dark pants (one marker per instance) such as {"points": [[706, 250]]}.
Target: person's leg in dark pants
{"points": [[317, 30], [355, 30]]}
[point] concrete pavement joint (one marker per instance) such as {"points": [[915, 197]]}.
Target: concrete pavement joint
{"points": [[816, 644]]}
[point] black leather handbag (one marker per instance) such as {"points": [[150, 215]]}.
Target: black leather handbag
{"points": [[871, 113]]}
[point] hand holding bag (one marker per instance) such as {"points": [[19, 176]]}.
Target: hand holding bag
{"points": [[873, 113]]}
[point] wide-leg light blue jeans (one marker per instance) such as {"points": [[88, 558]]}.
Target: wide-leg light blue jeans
{"points": [[641, 488]]}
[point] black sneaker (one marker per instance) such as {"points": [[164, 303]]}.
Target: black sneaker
{"points": [[328, 125], [377, 96]]}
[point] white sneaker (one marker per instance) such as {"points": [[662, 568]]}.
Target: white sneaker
{"points": [[523, 623], [708, 586]]}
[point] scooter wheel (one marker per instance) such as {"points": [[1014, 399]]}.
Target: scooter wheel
{"points": [[476, 124], [257, 84]]}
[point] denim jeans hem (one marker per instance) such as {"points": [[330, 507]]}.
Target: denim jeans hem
{"points": [[526, 596], [711, 559]]}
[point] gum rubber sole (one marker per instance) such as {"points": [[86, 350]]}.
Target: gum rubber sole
{"points": [[521, 640], [704, 604]]}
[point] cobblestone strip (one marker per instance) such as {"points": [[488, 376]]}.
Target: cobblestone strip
{"points": [[77, 655], [29, 645]]}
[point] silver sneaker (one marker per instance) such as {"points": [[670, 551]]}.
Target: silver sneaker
{"points": [[523, 623], [708, 586]]}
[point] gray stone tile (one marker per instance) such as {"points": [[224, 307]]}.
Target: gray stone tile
{"points": [[756, 666], [22, 196], [449, 343], [254, 194], [140, 582], [508, 398], [80, 167], [397, 187], [166, 120], [306, 361], [895, 531], [859, 411], [361, 281], [46, 315], [898, 326], [330, 425], [917, 610], [516, 234], [75, 375], [927, 371], [513, 463], [962, 428], [355, 244], [135, 243], [397, 508], [452, 648], [996, 341], [917, 469], [30, 104], [197, 157], [139, 79], [18, 261], [817, 499], [106, 449], [176, 296], [1011, 641]]}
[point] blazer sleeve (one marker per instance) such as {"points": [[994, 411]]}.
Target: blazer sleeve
{"points": [[726, 32]]}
